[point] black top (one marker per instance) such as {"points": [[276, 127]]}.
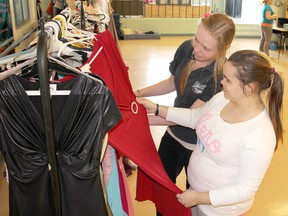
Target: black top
{"points": [[200, 85]]}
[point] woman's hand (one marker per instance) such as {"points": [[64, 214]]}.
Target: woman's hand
{"points": [[149, 105], [188, 198], [191, 198]]}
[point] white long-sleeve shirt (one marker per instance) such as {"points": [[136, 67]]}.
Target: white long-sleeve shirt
{"points": [[230, 160]]}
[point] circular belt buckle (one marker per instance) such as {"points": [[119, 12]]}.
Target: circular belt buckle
{"points": [[134, 107]]}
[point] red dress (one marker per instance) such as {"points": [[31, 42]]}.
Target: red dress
{"points": [[132, 136]]}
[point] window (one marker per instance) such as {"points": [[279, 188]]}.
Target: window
{"points": [[21, 11]]}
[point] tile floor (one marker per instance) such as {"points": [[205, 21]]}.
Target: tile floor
{"points": [[148, 62]]}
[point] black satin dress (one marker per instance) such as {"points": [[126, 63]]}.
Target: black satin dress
{"points": [[81, 121]]}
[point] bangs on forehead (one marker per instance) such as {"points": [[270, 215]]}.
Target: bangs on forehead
{"points": [[205, 38]]}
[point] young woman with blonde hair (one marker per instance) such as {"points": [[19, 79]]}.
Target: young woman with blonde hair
{"points": [[196, 71]]}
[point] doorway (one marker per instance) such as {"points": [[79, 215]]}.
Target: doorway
{"points": [[233, 8]]}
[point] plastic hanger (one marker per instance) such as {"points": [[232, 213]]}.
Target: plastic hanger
{"points": [[84, 40], [17, 68], [55, 31], [18, 56], [75, 70], [86, 67], [63, 23], [67, 13]]}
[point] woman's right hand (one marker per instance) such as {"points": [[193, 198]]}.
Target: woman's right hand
{"points": [[149, 105]]}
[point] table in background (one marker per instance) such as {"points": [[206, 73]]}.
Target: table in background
{"points": [[283, 35]]}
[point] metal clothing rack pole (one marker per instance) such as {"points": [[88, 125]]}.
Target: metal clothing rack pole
{"points": [[6, 42], [82, 16], [42, 66]]}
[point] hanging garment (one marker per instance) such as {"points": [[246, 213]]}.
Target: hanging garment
{"points": [[115, 186], [132, 135], [5, 21], [81, 121]]}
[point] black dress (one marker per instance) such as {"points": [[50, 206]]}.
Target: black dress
{"points": [[81, 121]]}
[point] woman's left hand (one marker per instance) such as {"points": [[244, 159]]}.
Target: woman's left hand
{"points": [[188, 198], [191, 198]]}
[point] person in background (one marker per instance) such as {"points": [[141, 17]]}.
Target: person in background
{"points": [[237, 136], [266, 26], [196, 71]]}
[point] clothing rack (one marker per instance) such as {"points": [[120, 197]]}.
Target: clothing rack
{"points": [[17, 43], [42, 67]]}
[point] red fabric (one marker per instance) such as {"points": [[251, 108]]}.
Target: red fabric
{"points": [[49, 9], [132, 136], [122, 189], [159, 195]]}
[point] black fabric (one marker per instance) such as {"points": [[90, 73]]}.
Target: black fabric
{"points": [[200, 85], [81, 123], [174, 157]]}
